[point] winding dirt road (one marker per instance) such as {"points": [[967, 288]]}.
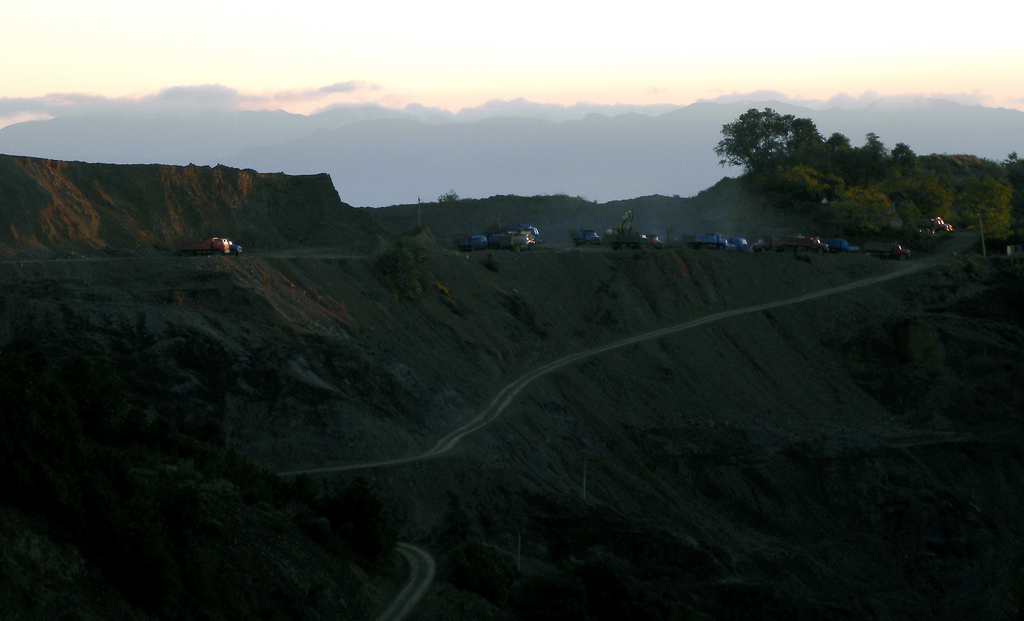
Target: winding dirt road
{"points": [[497, 406], [421, 575], [420, 562]]}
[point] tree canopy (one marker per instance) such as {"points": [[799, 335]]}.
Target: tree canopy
{"points": [[756, 140], [870, 187]]}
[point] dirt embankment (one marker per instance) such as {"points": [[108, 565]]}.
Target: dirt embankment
{"points": [[852, 456], [52, 206], [828, 457]]}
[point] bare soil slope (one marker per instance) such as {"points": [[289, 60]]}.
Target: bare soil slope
{"points": [[53, 206], [852, 456]]}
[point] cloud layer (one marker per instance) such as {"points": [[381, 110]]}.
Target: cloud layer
{"points": [[206, 97]]}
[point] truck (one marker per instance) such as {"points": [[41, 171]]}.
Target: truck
{"points": [[790, 242], [653, 241], [526, 228], [473, 242], [213, 245], [581, 237], [799, 242], [715, 241], [887, 250], [624, 235], [510, 241], [837, 245], [738, 243], [934, 225]]}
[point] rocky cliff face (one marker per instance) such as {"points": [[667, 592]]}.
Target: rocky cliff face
{"points": [[48, 205]]}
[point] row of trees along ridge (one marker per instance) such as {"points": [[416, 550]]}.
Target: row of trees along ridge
{"points": [[871, 188]]}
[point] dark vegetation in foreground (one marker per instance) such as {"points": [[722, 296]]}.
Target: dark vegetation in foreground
{"points": [[147, 505]]}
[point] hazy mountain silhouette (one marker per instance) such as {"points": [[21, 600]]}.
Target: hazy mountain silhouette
{"points": [[379, 156]]}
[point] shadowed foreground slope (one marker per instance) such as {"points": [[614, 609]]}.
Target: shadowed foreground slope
{"points": [[853, 456]]}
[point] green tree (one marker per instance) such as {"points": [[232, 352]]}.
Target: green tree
{"points": [[987, 200], [865, 207], [903, 158], [838, 142], [804, 145], [757, 140], [805, 184], [448, 197], [868, 164], [918, 193], [1014, 167]]}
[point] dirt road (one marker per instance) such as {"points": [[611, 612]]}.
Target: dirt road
{"points": [[508, 394], [421, 576], [420, 562]]}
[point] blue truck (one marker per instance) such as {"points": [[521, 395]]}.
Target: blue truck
{"points": [[582, 237], [715, 241], [473, 242], [837, 245]]}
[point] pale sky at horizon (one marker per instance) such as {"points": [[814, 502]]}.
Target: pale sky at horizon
{"points": [[303, 56]]}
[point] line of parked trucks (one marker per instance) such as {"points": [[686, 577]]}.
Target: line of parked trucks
{"points": [[716, 241], [890, 250], [624, 235], [796, 243], [518, 237], [525, 236]]}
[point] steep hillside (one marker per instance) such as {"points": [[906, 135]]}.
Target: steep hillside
{"points": [[855, 455], [49, 206]]}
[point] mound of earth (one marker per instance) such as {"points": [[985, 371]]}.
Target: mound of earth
{"points": [[51, 206]]}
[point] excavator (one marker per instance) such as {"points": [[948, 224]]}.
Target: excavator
{"points": [[623, 234]]}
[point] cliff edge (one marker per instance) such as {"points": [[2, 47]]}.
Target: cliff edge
{"points": [[56, 206]]}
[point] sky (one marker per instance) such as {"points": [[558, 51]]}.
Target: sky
{"points": [[304, 56]]}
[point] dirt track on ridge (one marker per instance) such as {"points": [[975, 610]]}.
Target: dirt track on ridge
{"points": [[507, 394], [421, 563]]}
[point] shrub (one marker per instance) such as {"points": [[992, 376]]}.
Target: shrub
{"points": [[448, 197], [401, 267]]}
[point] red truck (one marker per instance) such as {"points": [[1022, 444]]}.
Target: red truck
{"points": [[887, 250], [790, 242], [214, 245], [934, 225], [653, 241]]}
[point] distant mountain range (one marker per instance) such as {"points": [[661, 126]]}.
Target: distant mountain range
{"points": [[379, 156]]}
